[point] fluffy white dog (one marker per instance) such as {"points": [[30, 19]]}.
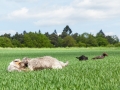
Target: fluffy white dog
{"points": [[46, 62]]}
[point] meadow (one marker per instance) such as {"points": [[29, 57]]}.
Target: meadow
{"points": [[78, 75]]}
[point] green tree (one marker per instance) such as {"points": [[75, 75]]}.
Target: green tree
{"points": [[102, 41], [60, 42], [47, 34], [100, 34], [86, 39], [83, 38], [115, 38], [5, 42], [66, 31], [19, 38], [54, 39], [24, 32], [80, 44], [36, 40], [28, 41], [117, 44], [75, 36], [91, 41], [39, 31], [7, 35], [16, 43], [68, 41]]}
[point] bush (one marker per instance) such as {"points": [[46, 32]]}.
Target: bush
{"points": [[80, 44], [5, 42]]}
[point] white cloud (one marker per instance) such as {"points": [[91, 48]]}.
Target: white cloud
{"points": [[72, 13], [110, 33], [99, 8], [79, 10], [94, 32], [12, 32], [22, 1], [55, 17], [22, 13]]}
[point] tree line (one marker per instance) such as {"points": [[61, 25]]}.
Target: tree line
{"points": [[65, 39]]}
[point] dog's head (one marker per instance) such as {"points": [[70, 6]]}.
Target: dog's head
{"points": [[16, 63], [105, 54]]}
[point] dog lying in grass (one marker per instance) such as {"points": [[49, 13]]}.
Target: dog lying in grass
{"points": [[46, 62], [82, 57], [101, 56]]}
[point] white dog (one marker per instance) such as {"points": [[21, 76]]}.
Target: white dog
{"points": [[46, 62]]}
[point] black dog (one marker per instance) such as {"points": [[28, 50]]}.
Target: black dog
{"points": [[82, 58]]}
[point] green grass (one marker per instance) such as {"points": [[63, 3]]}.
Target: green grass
{"points": [[78, 75]]}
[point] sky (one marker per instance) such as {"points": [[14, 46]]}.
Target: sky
{"points": [[48, 15]]}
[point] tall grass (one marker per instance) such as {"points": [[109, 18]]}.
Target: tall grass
{"points": [[78, 75]]}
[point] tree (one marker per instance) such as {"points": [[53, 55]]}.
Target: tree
{"points": [[54, 38], [68, 41], [28, 41], [5, 42], [55, 32], [47, 34], [117, 44], [100, 34], [80, 44], [39, 31], [19, 37], [24, 32], [66, 31], [75, 36], [7, 35], [36, 40], [116, 39], [16, 43], [91, 41], [86, 39], [60, 42], [83, 38], [102, 41]]}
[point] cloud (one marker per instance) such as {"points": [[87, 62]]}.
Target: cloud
{"points": [[22, 13], [98, 8], [79, 10], [109, 33], [72, 13], [12, 32], [55, 17], [17, 1]]}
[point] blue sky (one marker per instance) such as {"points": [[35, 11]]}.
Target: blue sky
{"points": [[48, 15]]}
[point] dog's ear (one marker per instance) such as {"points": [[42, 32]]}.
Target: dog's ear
{"points": [[17, 63], [23, 65]]}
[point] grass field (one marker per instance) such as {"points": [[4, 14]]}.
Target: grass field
{"points": [[78, 75]]}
